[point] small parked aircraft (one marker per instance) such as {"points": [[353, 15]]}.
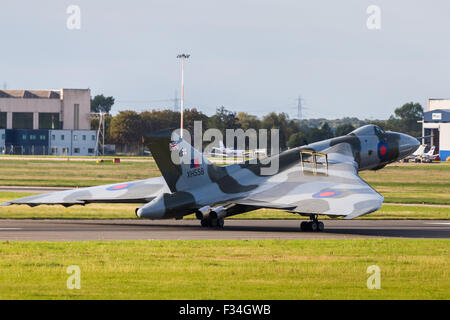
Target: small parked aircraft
{"points": [[421, 156], [223, 151]]}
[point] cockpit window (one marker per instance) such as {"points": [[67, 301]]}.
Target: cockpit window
{"points": [[378, 130], [368, 130]]}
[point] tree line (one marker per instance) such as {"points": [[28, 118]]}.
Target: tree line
{"points": [[129, 127]]}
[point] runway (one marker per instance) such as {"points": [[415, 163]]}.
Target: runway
{"points": [[88, 230]]}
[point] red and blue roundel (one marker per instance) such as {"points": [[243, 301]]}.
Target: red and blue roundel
{"points": [[121, 186], [383, 149], [328, 193]]}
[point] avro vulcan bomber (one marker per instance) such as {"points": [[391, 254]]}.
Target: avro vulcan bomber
{"points": [[312, 180]]}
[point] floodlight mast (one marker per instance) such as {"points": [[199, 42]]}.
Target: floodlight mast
{"points": [[100, 139], [182, 56]]}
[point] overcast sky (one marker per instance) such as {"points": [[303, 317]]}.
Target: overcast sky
{"points": [[253, 56]]}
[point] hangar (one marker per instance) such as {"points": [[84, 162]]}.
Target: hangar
{"points": [[436, 123], [53, 122]]}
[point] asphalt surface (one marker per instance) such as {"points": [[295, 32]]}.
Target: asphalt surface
{"points": [[83, 230]]}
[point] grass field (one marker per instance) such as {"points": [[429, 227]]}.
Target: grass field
{"points": [[72, 173], [412, 183], [265, 269], [126, 211], [399, 184]]}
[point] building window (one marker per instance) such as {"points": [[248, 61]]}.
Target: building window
{"points": [[91, 150], [62, 137], [54, 150], [24, 137], [76, 150], [3, 120], [3, 136], [42, 137], [93, 138], [53, 137], [75, 137], [32, 137], [84, 137], [65, 150], [48, 120], [22, 120]]}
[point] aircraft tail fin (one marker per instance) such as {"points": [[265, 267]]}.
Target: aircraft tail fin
{"points": [[419, 151], [431, 152], [182, 166]]}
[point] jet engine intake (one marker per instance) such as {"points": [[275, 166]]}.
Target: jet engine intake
{"points": [[168, 206]]}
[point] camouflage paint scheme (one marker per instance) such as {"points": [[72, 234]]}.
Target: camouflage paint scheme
{"points": [[214, 192], [141, 191]]}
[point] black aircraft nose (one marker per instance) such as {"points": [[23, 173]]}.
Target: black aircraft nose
{"points": [[407, 145]]}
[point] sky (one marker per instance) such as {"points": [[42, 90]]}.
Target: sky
{"points": [[252, 56]]}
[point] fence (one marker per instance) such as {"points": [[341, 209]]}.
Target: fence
{"points": [[39, 150]]}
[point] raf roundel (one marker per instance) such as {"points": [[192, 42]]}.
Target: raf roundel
{"points": [[326, 194], [119, 187], [382, 150]]}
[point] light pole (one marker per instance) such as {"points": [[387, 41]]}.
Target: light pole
{"points": [[182, 56], [100, 141]]}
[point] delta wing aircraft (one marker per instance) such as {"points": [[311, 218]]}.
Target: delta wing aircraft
{"points": [[316, 179]]}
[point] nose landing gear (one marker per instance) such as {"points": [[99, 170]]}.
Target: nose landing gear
{"points": [[314, 225]]}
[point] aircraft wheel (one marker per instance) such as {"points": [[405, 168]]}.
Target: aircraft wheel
{"points": [[220, 222], [313, 226], [304, 226], [320, 226], [212, 223], [204, 223]]}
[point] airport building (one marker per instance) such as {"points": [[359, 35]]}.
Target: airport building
{"points": [[436, 123], [53, 122]]}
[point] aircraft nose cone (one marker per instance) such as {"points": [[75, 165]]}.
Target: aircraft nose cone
{"points": [[407, 146]]}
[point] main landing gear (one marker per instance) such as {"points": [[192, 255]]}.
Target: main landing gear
{"points": [[314, 225], [212, 223]]}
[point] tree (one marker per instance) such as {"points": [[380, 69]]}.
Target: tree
{"points": [[127, 128], [299, 138], [192, 115], [325, 131], [343, 129], [247, 121], [157, 120], [222, 120], [279, 121], [409, 114], [100, 103], [318, 134]]}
